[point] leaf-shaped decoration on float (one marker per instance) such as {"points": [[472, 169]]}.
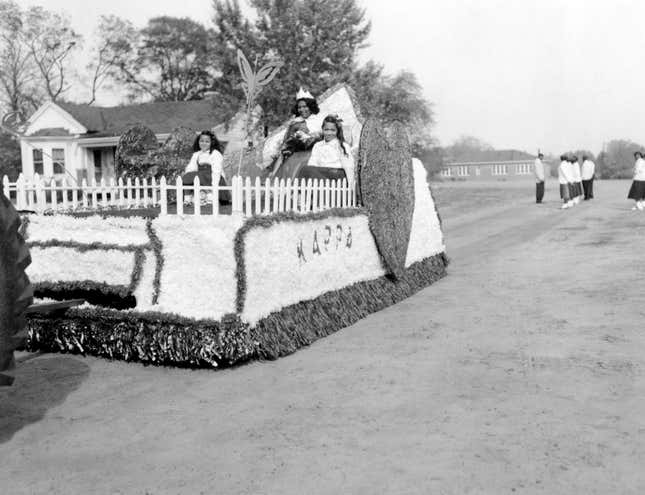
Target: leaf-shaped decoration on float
{"points": [[268, 72], [245, 67], [386, 188]]}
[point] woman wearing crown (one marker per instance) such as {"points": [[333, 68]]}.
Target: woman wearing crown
{"points": [[300, 136]]}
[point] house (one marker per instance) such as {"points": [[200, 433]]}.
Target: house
{"points": [[80, 140], [490, 165]]}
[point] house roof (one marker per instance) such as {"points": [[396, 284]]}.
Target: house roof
{"points": [[161, 117], [490, 156]]}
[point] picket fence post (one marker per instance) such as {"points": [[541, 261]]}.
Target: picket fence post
{"points": [[163, 195], [53, 191], [20, 192], [248, 198], [85, 193], [197, 202], [294, 194], [63, 190], [41, 197], [179, 188], [137, 192], [258, 196], [215, 197], [267, 197], [145, 199], [75, 195]]}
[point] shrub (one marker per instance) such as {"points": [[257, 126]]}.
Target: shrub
{"points": [[133, 151]]}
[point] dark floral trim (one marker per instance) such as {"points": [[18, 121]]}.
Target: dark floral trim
{"points": [[269, 221], [99, 293], [139, 259], [157, 248], [151, 338], [93, 246]]}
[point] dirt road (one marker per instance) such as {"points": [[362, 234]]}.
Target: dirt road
{"points": [[521, 372]]}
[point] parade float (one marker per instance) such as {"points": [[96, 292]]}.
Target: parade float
{"points": [[203, 291], [215, 290]]}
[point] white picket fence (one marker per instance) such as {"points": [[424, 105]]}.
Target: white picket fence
{"points": [[247, 198]]}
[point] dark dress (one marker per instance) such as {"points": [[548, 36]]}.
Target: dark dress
{"points": [[205, 174], [294, 152], [637, 191]]}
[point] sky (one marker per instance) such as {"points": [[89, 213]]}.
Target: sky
{"points": [[523, 74]]}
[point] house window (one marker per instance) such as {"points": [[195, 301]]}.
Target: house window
{"points": [[462, 171], [478, 171], [58, 158], [523, 169], [446, 172], [499, 170], [38, 161]]}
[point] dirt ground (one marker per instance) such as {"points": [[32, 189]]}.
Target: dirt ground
{"points": [[520, 372]]}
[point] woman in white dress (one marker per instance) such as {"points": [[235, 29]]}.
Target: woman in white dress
{"points": [[637, 191], [330, 158]]}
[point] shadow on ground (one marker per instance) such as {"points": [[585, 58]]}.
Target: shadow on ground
{"points": [[41, 383]]}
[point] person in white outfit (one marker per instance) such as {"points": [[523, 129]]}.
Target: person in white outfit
{"points": [[588, 174], [577, 179], [637, 191], [206, 162], [538, 170], [564, 178], [332, 151]]}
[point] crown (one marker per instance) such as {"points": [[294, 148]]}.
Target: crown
{"points": [[302, 94]]}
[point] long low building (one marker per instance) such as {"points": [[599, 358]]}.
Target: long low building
{"points": [[489, 170], [491, 165]]}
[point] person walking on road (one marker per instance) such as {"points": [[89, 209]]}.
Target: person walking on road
{"points": [[538, 170], [588, 174]]}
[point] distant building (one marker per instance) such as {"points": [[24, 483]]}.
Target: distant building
{"points": [[490, 165], [82, 139]]}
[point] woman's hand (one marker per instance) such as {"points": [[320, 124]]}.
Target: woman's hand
{"points": [[301, 135]]}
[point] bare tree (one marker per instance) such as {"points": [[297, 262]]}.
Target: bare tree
{"points": [[50, 40], [113, 53], [19, 90]]}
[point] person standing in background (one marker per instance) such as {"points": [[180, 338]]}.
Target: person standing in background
{"points": [[538, 170], [577, 179], [564, 178], [588, 173], [637, 191]]}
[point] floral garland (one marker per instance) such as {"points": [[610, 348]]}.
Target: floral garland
{"points": [[157, 248], [82, 247], [98, 293], [269, 221], [150, 337]]}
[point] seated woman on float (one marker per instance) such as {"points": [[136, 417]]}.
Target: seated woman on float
{"points": [[331, 156], [299, 137], [302, 131], [206, 161]]}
